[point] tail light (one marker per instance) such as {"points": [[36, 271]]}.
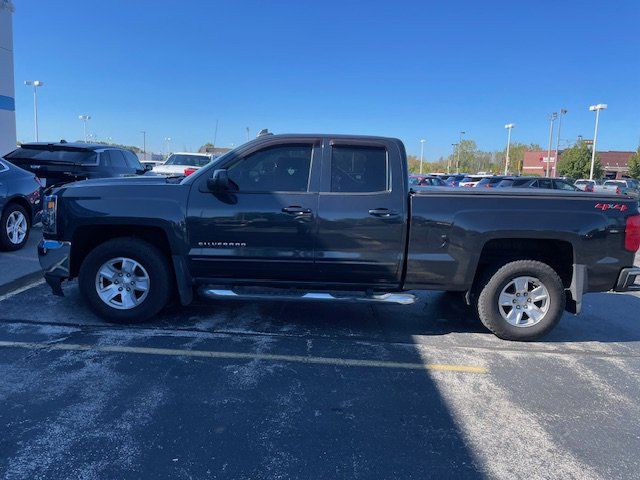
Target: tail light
{"points": [[189, 171], [617, 190], [589, 188], [632, 233]]}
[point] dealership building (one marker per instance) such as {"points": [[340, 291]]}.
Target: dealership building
{"points": [[7, 90], [614, 163]]}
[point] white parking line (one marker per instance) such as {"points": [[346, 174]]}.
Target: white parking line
{"points": [[21, 289], [343, 362]]}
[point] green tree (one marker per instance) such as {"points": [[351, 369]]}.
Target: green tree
{"points": [[634, 164], [204, 147], [575, 162]]}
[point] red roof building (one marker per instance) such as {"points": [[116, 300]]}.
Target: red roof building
{"points": [[614, 163]]}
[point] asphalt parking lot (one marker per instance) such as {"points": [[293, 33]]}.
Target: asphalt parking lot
{"points": [[311, 390]]}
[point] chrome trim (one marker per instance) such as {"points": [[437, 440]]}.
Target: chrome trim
{"points": [[394, 298]]}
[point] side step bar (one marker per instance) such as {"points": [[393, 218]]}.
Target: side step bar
{"points": [[395, 298]]}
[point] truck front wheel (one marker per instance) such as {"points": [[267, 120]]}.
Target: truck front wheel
{"points": [[522, 301], [125, 280]]}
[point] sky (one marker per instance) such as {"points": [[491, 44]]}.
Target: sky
{"points": [[408, 69]]}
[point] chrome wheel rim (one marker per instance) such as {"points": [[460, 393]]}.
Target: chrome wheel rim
{"points": [[16, 227], [524, 301], [122, 283]]}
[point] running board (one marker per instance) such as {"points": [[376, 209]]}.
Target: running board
{"points": [[395, 298]]}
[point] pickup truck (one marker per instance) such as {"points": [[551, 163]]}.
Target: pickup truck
{"points": [[332, 218]]}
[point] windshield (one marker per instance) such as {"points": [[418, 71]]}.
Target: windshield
{"points": [[81, 157], [617, 184], [583, 182], [188, 160]]}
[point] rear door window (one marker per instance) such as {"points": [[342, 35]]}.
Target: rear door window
{"points": [[132, 160], [359, 169], [545, 183]]}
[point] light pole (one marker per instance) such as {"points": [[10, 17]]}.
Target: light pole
{"points": [[247, 134], [85, 119], [458, 159], [167, 140], [552, 118], [595, 108], [563, 111], [144, 144], [508, 126], [35, 84], [421, 153]]}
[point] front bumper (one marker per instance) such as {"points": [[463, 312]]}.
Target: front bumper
{"points": [[629, 280], [54, 257]]}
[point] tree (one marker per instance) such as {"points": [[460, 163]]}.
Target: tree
{"points": [[634, 164], [516, 155], [575, 162], [204, 147]]}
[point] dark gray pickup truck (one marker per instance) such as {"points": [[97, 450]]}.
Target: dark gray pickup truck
{"points": [[332, 217]]}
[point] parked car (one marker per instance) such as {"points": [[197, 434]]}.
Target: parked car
{"points": [[491, 182], [20, 205], [426, 181], [454, 180], [537, 182], [183, 163], [471, 180], [624, 187], [60, 163], [336, 223]]}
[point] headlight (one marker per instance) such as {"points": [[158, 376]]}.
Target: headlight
{"points": [[49, 214]]}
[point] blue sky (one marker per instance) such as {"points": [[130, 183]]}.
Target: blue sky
{"points": [[414, 69]]}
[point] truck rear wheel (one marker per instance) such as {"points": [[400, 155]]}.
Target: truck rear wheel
{"points": [[125, 280], [522, 301]]}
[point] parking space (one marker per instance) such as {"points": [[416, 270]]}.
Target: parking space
{"points": [[313, 390]]}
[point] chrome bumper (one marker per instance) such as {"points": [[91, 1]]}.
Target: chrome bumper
{"points": [[629, 280], [54, 257]]}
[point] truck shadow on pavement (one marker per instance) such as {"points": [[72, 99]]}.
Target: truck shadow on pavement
{"points": [[176, 416]]}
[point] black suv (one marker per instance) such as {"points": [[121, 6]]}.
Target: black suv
{"points": [[60, 163]]}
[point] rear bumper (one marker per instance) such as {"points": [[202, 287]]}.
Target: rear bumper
{"points": [[629, 280], [54, 257]]}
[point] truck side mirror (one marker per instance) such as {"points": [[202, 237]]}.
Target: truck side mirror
{"points": [[219, 181]]}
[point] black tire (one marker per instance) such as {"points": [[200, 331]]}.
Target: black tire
{"points": [[5, 243], [154, 262], [488, 303]]}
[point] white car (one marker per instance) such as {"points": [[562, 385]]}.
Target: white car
{"points": [[182, 163]]}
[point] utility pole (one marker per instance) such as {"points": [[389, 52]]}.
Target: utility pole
{"points": [[247, 134], [595, 108], [552, 118], [563, 111], [458, 159], [421, 153]]}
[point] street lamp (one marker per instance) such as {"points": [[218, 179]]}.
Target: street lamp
{"points": [[35, 84], [508, 126], [167, 140], [563, 111], [421, 153], [595, 108], [552, 118], [85, 119]]}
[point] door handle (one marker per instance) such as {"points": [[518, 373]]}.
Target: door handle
{"points": [[382, 212], [296, 210]]}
